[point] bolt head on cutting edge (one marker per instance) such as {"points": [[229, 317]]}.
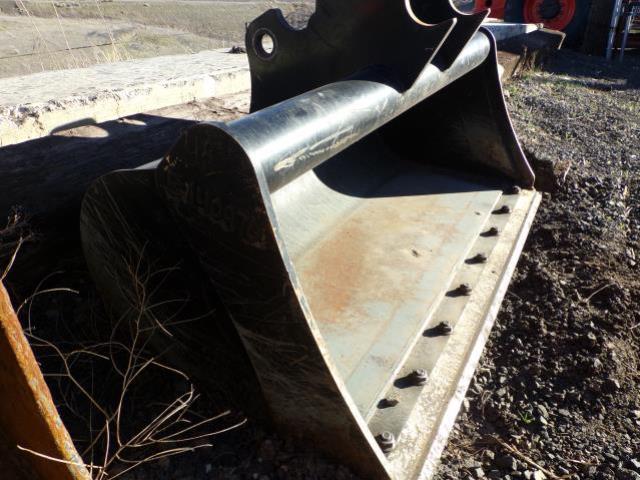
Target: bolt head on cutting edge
{"points": [[386, 441]]}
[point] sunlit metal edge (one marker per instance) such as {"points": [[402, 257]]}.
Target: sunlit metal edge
{"points": [[455, 369]]}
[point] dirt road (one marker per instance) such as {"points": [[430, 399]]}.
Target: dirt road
{"points": [[43, 35]]}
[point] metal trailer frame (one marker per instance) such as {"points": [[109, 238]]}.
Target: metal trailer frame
{"points": [[631, 12]]}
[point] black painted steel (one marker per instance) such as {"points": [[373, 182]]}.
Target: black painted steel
{"points": [[342, 38], [368, 111], [466, 26], [289, 138]]}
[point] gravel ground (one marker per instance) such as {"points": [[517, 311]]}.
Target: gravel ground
{"points": [[557, 393]]}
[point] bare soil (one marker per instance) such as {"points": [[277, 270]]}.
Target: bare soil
{"points": [[44, 35]]}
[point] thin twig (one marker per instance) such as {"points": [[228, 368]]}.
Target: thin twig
{"points": [[588, 299], [54, 459], [12, 260], [523, 457]]}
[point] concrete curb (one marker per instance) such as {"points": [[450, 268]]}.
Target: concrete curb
{"points": [[37, 105]]}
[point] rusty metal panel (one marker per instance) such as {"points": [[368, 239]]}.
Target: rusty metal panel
{"points": [[28, 416], [373, 279]]}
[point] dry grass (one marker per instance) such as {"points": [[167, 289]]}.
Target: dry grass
{"points": [[127, 425], [124, 30], [133, 407], [13, 235]]}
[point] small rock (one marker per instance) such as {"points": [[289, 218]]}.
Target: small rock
{"points": [[611, 385], [507, 462], [267, 450], [471, 463], [478, 472], [625, 474], [634, 464], [564, 412], [611, 457], [542, 411], [539, 475]]}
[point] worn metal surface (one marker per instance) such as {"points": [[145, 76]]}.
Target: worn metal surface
{"points": [[141, 264], [471, 123], [389, 260], [431, 411], [28, 416], [332, 244], [337, 226], [505, 30]]}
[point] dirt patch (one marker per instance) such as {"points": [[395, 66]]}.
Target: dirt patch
{"points": [[42, 35], [558, 391]]}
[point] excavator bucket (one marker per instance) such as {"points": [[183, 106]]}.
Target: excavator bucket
{"points": [[358, 229]]}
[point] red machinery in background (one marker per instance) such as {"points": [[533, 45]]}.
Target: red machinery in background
{"points": [[554, 14], [496, 6], [586, 22]]}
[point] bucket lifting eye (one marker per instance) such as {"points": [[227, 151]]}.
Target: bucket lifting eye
{"points": [[264, 44]]}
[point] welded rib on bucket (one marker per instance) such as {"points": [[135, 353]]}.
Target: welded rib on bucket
{"points": [[466, 26]]}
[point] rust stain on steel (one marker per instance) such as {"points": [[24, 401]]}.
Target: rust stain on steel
{"points": [[371, 259], [373, 280], [28, 416], [336, 271]]}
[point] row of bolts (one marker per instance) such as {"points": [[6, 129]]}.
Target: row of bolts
{"points": [[387, 440]]}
